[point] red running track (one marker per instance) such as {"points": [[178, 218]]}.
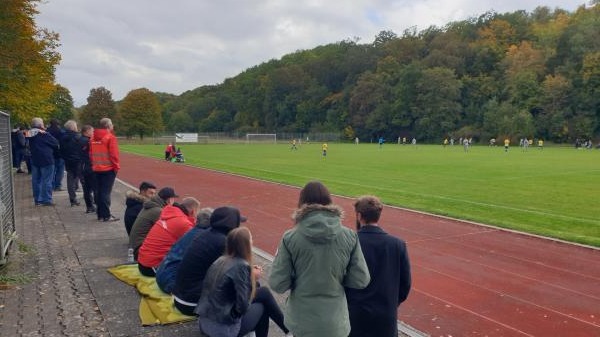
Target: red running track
{"points": [[468, 280]]}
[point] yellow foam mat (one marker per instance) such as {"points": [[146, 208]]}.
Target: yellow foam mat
{"points": [[156, 307]]}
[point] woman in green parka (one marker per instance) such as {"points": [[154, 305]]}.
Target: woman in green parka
{"points": [[315, 261]]}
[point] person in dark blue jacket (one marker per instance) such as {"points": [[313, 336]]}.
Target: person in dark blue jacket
{"points": [[59, 163], [373, 310], [70, 151], [43, 148], [205, 248]]}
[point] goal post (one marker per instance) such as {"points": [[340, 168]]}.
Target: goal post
{"points": [[264, 138]]}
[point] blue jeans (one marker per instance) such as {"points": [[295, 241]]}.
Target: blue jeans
{"points": [[59, 172], [41, 183]]}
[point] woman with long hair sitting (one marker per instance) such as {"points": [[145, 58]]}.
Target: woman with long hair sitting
{"points": [[231, 304]]}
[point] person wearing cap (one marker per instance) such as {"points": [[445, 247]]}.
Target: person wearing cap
{"points": [[134, 201], [315, 260], [165, 274], [175, 220], [43, 148], [204, 249], [149, 214], [373, 310]]}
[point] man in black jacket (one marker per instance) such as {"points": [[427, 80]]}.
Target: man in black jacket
{"points": [[134, 201], [70, 150], [89, 179], [373, 310]]}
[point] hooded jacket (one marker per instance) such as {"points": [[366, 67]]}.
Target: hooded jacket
{"points": [[315, 261], [174, 222], [104, 151], [204, 249], [134, 203], [44, 147], [149, 214]]}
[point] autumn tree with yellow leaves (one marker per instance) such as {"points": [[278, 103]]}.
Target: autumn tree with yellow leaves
{"points": [[28, 58]]}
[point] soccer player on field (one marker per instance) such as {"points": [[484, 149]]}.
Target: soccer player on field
{"points": [[324, 150], [506, 144]]}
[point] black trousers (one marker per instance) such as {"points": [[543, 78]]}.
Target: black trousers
{"points": [[104, 185], [74, 176], [88, 184], [257, 317]]}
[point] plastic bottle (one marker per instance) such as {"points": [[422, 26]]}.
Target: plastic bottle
{"points": [[130, 258]]}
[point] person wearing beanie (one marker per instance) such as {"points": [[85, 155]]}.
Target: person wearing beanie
{"points": [[204, 249]]}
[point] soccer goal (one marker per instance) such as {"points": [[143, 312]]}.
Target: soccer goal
{"points": [[253, 138]]}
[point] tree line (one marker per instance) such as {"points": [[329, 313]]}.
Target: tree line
{"points": [[516, 75]]}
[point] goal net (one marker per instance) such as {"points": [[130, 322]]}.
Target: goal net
{"points": [[264, 138]]}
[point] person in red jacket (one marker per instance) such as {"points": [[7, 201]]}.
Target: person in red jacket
{"points": [[174, 222], [104, 157]]}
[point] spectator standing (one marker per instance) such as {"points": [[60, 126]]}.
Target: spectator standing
{"points": [[18, 143], [88, 182], [175, 220], [43, 148], [373, 310], [149, 214], [166, 272], [204, 249], [104, 155], [59, 164], [315, 261], [134, 201], [70, 151]]}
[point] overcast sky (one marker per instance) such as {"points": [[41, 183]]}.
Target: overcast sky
{"points": [[178, 45]]}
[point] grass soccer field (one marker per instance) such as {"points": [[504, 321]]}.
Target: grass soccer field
{"points": [[551, 192]]}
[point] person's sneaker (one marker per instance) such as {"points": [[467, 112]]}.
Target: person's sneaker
{"points": [[75, 203], [46, 204], [58, 189], [111, 218], [91, 210], [20, 171]]}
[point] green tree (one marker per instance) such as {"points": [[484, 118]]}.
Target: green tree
{"points": [[140, 113], [99, 105], [181, 122], [437, 106], [62, 103], [28, 58]]}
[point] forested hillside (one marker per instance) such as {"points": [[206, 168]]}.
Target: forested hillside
{"points": [[515, 74]]}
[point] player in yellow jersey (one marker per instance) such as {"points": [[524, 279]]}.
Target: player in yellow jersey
{"points": [[506, 144], [294, 144], [324, 150], [540, 144]]}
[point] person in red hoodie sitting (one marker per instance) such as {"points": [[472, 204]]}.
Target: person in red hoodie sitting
{"points": [[174, 222]]}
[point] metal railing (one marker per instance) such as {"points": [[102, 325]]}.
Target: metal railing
{"points": [[7, 195]]}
